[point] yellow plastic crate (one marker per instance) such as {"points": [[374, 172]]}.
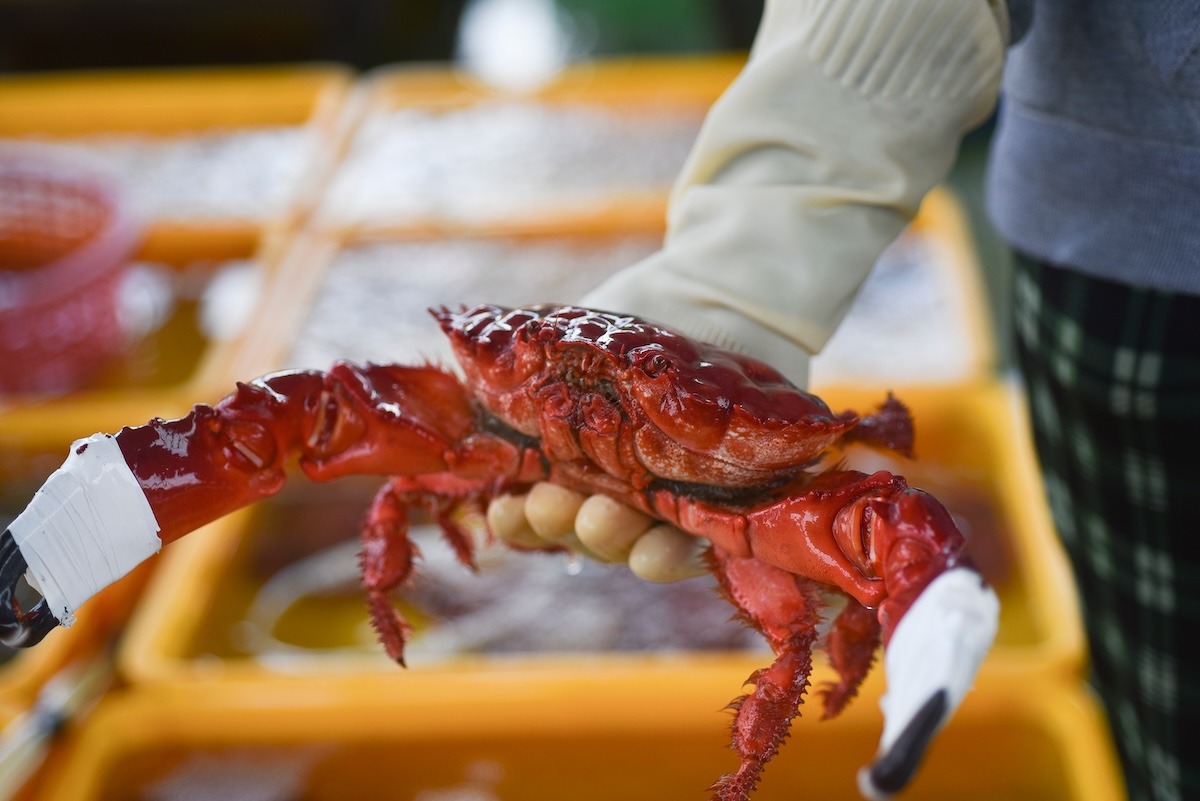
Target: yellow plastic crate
{"points": [[369, 298], [364, 298], [922, 315], [144, 109], [431, 149], [35, 435], [175, 365], [232, 632], [31, 747], [649, 733]]}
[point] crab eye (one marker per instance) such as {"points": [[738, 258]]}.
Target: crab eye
{"points": [[654, 364]]}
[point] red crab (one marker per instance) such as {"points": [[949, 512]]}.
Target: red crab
{"points": [[720, 445]]}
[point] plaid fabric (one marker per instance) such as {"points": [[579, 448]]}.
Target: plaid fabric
{"points": [[1113, 378]]}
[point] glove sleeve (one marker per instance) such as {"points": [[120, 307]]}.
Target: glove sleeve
{"points": [[815, 158]]}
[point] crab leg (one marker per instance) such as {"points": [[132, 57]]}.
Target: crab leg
{"points": [[854, 638], [937, 615], [118, 498], [387, 554], [786, 610], [380, 420], [896, 551]]}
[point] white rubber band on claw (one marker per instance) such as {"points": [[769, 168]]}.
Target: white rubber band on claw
{"points": [[938, 645], [87, 526], [930, 663]]}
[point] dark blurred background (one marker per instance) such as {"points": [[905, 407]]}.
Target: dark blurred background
{"points": [[49, 35], [39, 35]]}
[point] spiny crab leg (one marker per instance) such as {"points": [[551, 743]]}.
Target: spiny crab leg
{"points": [[119, 498], [894, 550]]}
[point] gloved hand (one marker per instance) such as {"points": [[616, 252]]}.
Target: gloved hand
{"points": [[598, 527], [846, 114]]}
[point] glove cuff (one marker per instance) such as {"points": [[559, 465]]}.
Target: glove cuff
{"points": [[948, 53]]}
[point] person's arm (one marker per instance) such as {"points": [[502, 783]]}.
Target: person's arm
{"points": [[809, 165]]}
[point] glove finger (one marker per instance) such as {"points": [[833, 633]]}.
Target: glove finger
{"points": [[664, 554], [609, 528], [507, 520], [551, 511]]}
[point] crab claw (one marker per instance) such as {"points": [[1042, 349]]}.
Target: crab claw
{"points": [[930, 662], [19, 628]]}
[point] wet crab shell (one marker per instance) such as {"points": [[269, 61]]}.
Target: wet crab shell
{"points": [[684, 411]]}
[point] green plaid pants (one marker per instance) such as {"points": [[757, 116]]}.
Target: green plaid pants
{"points": [[1113, 380]]}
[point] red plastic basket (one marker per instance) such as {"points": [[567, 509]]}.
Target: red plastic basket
{"points": [[66, 238]]}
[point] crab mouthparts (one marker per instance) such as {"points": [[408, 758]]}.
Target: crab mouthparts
{"points": [[930, 663]]}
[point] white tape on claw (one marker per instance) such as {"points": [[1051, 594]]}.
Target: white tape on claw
{"points": [[87, 526], [938, 645]]}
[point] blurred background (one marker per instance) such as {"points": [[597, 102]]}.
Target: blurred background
{"points": [[73, 34], [512, 44]]}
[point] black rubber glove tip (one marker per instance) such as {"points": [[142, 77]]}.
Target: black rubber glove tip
{"points": [[892, 772], [19, 629]]}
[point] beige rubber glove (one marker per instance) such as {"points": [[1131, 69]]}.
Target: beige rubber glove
{"points": [[809, 165]]}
